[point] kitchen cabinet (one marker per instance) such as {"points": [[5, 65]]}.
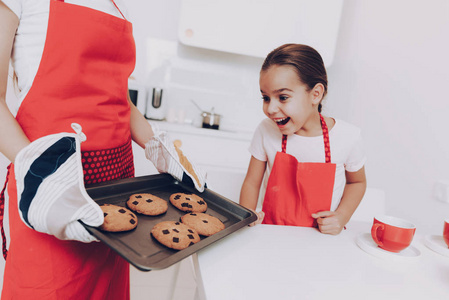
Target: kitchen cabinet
{"points": [[255, 28], [222, 154]]}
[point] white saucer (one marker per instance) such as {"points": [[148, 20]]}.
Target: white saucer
{"points": [[437, 244], [366, 243]]}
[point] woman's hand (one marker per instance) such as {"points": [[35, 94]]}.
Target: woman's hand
{"points": [[260, 215], [330, 222]]}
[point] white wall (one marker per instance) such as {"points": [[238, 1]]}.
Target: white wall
{"points": [[155, 19], [390, 76]]}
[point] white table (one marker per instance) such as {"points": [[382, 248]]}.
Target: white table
{"points": [[282, 262]]}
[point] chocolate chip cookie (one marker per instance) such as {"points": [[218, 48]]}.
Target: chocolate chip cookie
{"points": [[204, 224], [147, 204], [117, 218], [188, 202], [175, 235]]}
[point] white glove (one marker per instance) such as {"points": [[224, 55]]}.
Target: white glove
{"points": [[168, 158], [50, 187]]}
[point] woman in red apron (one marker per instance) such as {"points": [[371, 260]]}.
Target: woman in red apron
{"points": [[81, 83], [82, 78], [299, 192]]}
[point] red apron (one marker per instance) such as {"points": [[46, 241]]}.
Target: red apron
{"points": [[296, 190], [82, 77]]}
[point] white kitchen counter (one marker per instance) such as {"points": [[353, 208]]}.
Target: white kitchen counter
{"points": [[244, 135], [283, 262]]}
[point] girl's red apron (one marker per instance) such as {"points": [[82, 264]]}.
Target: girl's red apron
{"points": [[87, 59], [297, 190]]}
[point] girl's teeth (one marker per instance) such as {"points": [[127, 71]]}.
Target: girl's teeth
{"points": [[282, 121]]}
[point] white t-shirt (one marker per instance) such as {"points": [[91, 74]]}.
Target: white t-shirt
{"points": [[345, 144], [30, 35]]}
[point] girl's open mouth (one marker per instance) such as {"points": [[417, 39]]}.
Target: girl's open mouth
{"points": [[282, 121]]}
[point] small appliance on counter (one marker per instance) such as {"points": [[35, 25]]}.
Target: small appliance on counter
{"points": [[158, 82], [151, 102], [156, 108]]}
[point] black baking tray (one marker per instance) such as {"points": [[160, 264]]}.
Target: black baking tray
{"points": [[137, 246]]}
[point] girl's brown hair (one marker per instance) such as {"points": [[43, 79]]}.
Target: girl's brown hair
{"points": [[306, 61]]}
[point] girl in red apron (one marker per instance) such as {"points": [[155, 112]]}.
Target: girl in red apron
{"points": [[314, 164], [82, 78]]}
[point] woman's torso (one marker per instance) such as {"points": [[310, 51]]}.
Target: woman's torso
{"points": [[30, 36]]}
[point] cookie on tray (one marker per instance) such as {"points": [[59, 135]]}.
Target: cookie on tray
{"points": [[204, 224], [117, 218], [188, 202], [175, 235], [147, 204]]}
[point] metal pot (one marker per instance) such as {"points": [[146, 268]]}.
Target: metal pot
{"points": [[210, 119]]}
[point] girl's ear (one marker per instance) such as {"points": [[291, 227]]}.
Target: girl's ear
{"points": [[317, 93]]}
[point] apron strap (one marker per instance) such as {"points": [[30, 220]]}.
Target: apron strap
{"points": [[2, 209], [327, 148], [118, 9], [284, 143], [114, 5]]}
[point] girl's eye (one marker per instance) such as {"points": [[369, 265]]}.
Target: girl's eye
{"points": [[266, 99], [283, 97]]}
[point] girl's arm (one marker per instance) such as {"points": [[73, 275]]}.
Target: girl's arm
{"points": [[141, 131], [12, 137], [249, 194], [333, 222]]}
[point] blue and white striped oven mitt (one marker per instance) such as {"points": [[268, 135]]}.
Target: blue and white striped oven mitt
{"points": [[168, 158], [50, 187]]}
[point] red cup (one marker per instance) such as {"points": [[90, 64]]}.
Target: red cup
{"points": [[392, 234], [446, 232]]}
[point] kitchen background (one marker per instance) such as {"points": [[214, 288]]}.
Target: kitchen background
{"points": [[388, 75], [388, 68]]}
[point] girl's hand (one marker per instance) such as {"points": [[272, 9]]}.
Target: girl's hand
{"points": [[260, 216], [330, 222]]}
